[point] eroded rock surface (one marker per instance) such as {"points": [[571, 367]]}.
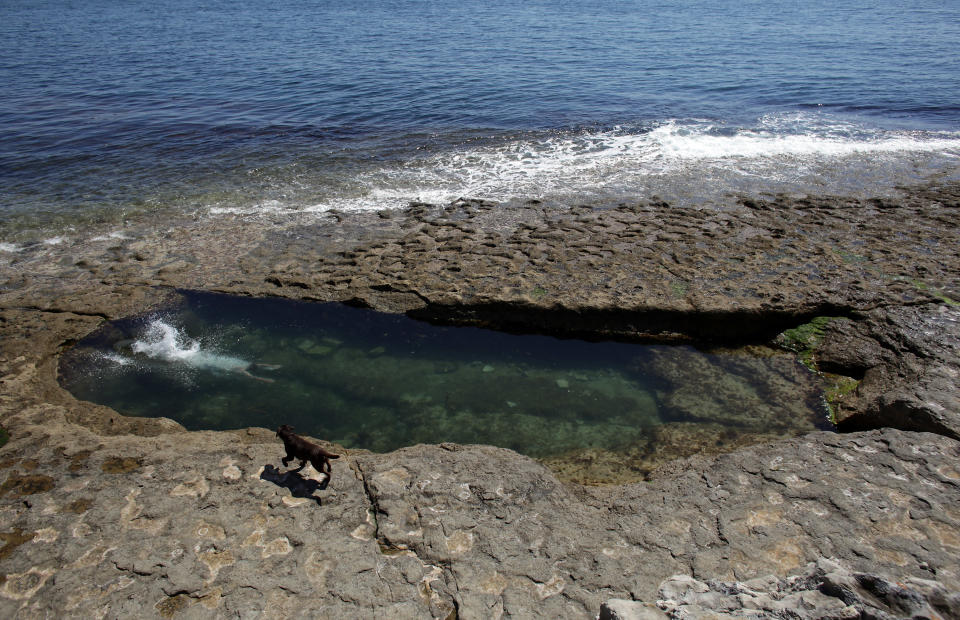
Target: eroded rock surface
{"points": [[907, 359], [106, 515], [203, 522], [826, 589]]}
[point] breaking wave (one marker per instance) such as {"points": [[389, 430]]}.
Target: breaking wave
{"points": [[674, 158]]}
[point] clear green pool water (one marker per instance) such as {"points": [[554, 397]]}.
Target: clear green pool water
{"points": [[377, 381]]}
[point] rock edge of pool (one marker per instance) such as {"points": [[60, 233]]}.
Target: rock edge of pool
{"points": [[106, 514]]}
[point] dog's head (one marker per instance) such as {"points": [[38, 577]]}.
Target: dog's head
{"points": [[285, 429]]}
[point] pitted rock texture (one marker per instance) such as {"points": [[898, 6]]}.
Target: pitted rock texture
{"points": [[826, 589], [728, 273], [720, 271], [103, 515], [204, 524]]}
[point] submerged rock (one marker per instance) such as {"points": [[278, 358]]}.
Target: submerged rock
{"points": [[756, 393]]}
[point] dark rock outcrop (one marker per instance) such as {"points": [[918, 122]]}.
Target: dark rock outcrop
{"points": [[907, 360]]}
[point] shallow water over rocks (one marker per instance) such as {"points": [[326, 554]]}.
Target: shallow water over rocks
{"points": [[593, 411]]}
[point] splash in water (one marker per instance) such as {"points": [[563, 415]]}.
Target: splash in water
{"points": [[165, 342]]}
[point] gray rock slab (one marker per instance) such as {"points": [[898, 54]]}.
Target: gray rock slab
{"points": [[201, 524], [103, 515], [825, 589]]}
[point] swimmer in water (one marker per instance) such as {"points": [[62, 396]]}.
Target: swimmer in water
{"points": [[193, 356]]}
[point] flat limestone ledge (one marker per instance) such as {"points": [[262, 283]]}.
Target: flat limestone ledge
{"points": [[729, 273], [210, 525], [718, 270], [102, 514]]}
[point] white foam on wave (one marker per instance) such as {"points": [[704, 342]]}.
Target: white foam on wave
{"points": [[115, 235], [265, 207], [163, 341], [675, 142], [10, 247], [779, 148]]}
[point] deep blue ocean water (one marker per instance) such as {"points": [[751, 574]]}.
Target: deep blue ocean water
{"points": [[112, 111]]}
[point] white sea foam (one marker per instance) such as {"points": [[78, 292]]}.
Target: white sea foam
{"points": [[111, 236], [675, 142], [265, 207], [10, 247], [821, 151], [116, 358]]}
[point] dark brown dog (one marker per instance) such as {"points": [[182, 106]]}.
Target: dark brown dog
{"points": [[299, 448]]}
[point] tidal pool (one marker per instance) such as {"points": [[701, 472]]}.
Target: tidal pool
{"points": [[592, 411]]}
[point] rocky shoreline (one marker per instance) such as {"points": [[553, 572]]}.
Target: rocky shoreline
{"points": [[104, 515]]}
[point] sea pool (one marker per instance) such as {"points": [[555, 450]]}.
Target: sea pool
{"points": [[591, 410]]}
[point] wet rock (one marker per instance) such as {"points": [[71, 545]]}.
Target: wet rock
{"points": [[120, 465], [20, 486]]}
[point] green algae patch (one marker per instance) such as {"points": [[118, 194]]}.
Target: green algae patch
{"points": [[939, 294], [4, 437], [836, 388], [803, 339], [679, 288]]}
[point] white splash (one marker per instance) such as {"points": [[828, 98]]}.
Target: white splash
{"points": [[116, 358], [770, 140], [165, 342]]}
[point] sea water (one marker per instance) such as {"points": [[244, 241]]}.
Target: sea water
{"points": [[121, 113], [377, 381]]}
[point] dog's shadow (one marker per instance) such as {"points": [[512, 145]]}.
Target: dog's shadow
{"points": [[295, 482]]}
